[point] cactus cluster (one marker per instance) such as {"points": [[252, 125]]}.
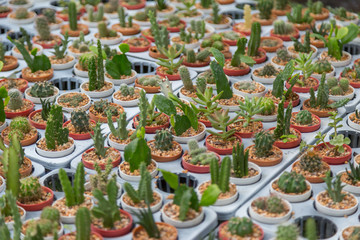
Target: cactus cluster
{"points": [[221, 175], [152, 81], [55, 134], [163, 140], [42, 89], [283, 55], [268, 106], [47, 224], [19, 126], [16, 100], [30, 190], [338, 87], [50, 15], [96, 70], [297, 17], [310, 162], [292, 182], [120, 132], [95, 17], [74, 195], [354, 173], [322, 66], [99, 140], [80, 120], [240, 161], [263, 144], [173, 20], [122, 21], [265, 7], [101, 179], [231, 35], [304, 117], [42, 27], [215, 41], [316, 7], [216, 17], [334, 188], [21, 13], [303, 47], [111, 6], [281, 4], [83, 224], [283, 120], [282, 28], [199, 155], [104, 106], [104, 32], [272, 204], [287, 232], [247, 16], [240, 226], [81, 44], [268, 70]]}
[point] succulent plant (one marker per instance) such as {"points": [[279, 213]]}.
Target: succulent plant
{"points": [[322, 66], [74, 195], [268, 70], [334, 188], [16, 99], [163, 140], [240, 161], [265, 7], [95, 17], [254, 40], [292, 182], [83, 224], [42, 89], [104, 32], [127, 90], [282, 28], [40, 227], [80, 120], [303, 47], [72, 16], [150, 81], [283, 55], [304, 117], [220, 175], [50, 213], [99, 140], [96, 70], [310, 162], [199, 155], [81, 44], [30, 190], [338, 87], [185, 77], [268, 106], [240, 226], [21, 13], [42, 27], [263, 143], [55, 134], [355, 234], [101, 179], [297, 15], [275, 205], [20, 123], [120, 132], [287, 232], [141, 16], [50, 15]]}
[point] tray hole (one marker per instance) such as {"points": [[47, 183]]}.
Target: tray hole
{"points": [[143, 67], [325, 228], [67, 83], [184, 178], [53, 181], [56, 3], [353, 49], [4, 29], [251, 4], [234, 14], [8, 46]]}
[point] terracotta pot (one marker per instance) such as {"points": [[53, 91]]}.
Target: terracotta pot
{"points": [[65, 17], [175, 29], [272, 49], [266, 163], [220, 151], [287, 145], [4, 14], [319, 17], [155, 54], [24, 142], [20, 89], [312, 179], [117, 232], [126, 31], [164, 158], [195, 168], [294, 103], [305, 129], [335, 160], [171, 77], [264, 22], [303, 89], [148, 37], [319, 113], [236, 72], [78, 136], [262, 59], [196, 64], [226, 238], [90, 165], [173, 236], [37, 79], [104, 119], [244, 32], [22, 114], [64, 237], [24, 172], [206, 123], [149, 129], [81, 28], [353, 84], [35, 124], [286, 38], [148, 89], [223, 2], [41, 205], [46, 45], [8, 67], [279, 12], [303, 26], [138, 49], [133, 7], [246, 134]]}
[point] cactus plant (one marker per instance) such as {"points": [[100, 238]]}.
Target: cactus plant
{"points": [[268, 70], [83, 224], [220, 175], [272, 204], [101, 179], [283, 121], [310, 162], [292, 182], [354, 173], [199, 155], [220, 120], [282, 28], [72, 16], [240, 161], [240, 226], [15, 99], [185, 78], [322, 66], [297, 17], [283, 55], [150, 81], [341, 13], [334, 188], [338, 87], [254, 41], [96, 70], [170, 53], [30, 190], [49, 14], [303, 47], [239, 55], [263, 144], [120, 132], [42, 27], [74, 195], [55, 135], [104, 32], [163, 140], [304, 117], [81, 44], [60, 50], [216, 17], [95, 17], [310, 229], [281, 4], [99, 140], [201, 84], [287, 232], [42, 89], [265, 7], [21, 13], [247, 16], [80, 120], [268, 106], [19, 126], [121, 15]]}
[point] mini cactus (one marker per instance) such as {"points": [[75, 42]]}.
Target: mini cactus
{"points": [[281, 4], [355, 234], [55, 135], [50, 213], [275, 205], [42, 27], [265, 7], [185, 77], [104, 32], [21, 13], [45, 108], [292, 182], [221, 175], [127, 90], [83, 224], [240, 226], [41, 226], [101, 179], [199, 155], [310, 229], [304, 117], [42, 90], [268, 70], [216, 17], [247, 16], [263, 143], [80, 120], [310, 162], [287, 232], [303, 47], [72, 16], [316, 7], [96, 70], [283, 55], [283, 120], [332, 82], [121, 15], [120, 132], [282, 28], [190, 56], [141, 16], [240, 161], [268, 106], [219, 45], [20, 123], [30, 190], [50, 15], [322, 66], [297, 15], [339, 87], [201, 84], [334, 188], [163, 140], [95, 17], [16, 99], [99, 140], [202, 55], [150, 81], [166, 87], [254, 41], [74, 195]]}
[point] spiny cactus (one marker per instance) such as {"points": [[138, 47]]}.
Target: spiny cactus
{"points": [[40, 227], [150, 81], [96, 70], [15, 99], [221, 176], [163, 140], [297, 15], [101, 178], [322, 66], [316, 7], [99, 140], [240, 161], [263, 143], [173, 20], [50, 15], [283, 120], [104, 32], [268, 106], [120, 132], [72, 16], [303, 47], [30, 190], [95, 17], [21, 13], [254, 41], [283, 55], [202, 55], [199, 155], [334, 188], [190, 56], [304, 117], [19, 126], [240, 226], [282, 28], [201, 84], [81, 44], [185, 78], [292, 182], [80, 120], [74, 195], [268, 70], [42, 27], [141, 16], [310, 162], [83, 224], [247, 16], [216, 17], [287, 232], [265, 7], [127, 90], [310, 229], [55, 135], [355, 234], [338, 87], [281, 4], [42, 89], [50, 213], [275, 205], [121, 15]]}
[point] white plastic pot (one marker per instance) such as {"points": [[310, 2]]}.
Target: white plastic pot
{"points": [[67, 109], [276, 65], [249, 180], [63, 66], [22, 21], [10, 225], [129, 80], [142, 23], [327, 75], [353, 125], [28, 5], [222, 202], [113, 15], [189, 19], [111, 41], [160, 14], [59, 233], [349, 188], [80, 73], [188, 45], [271, 220], [339, 63], [266, 118], [132, 209], [92, 24], [263, 80], [335, 212], [182, 224], [219, 26], [55, 154], [296, 55], [342, 230], [244, 94], [347, 23], [339, 97], [116, 145], [20, 57], [37, 100], [71, 219], [189, 99], [74, 54], [95, 94], [197, 137], [3, 126], [88, 188], [136, 178], [292, 197], [132, 103]]}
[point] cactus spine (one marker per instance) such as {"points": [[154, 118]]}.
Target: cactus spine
{"points": [[254, 41], [263, 144], [42, 26], [304, 117], [80, 120], [287, 232], [240, 226], [83, 223], [163, 140], [72, 16], [221, 176]]}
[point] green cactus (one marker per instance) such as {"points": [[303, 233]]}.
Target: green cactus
{"points": [[283, 120], [240, 161], [96, 70], [355, 234], [268, 106], [240, 226], [40, 226], [50, 15], [104, 32], [203, 55], [194, 149], [111, 6], [163, 140], [216, 17], [334, 188], [316, 7], [338, 87], [20, 123], [121, 15], [9, 200], [120, 132], [83, 224], [268, 70], [254, 41], [265, 7], [21, 13], [4, 9], [281, 4], [322, 66], [240, 51], [15, 99], [332, 82], [185, 77], [283, 55], [107, 209], [42, 89], [101, 179], [310, 162], [344, 84], [275, 205], [292, 182], [30, 190], [304, 117], [95, 17], [282, 28], [201, 84], [93, 79], [199, 155], [80, 120], [297, 17], [263, 144], [50, 213], [310, 229], [221, 176], [190, 56], [303, 47], [99, 140], [74, 195], [141, 16], [72, 16], [42, 27], [55, 135], [150, 81], [287, 232], [2, 53]]}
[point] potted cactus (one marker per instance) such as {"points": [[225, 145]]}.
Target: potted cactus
{"points": [[4, 11], [238, 227], [163, 147], [282, 58], [11, 217], [110, 9], [92, 19], [350, 178], [13, 82], [323, 66], [189, 12], [133, 4], [168, 68], [281, 8], [245, 27], [138, 44], [39, 117], [10, 62], [265, 16], [80, 125], [340, 89], [119, 136], [317, 10], [197, 25], [20, 127], [352, 74], [265, 74], [163, 9], [305, 121], [353, 120], [142, 18], [343, 17], [15, 4], [127, 96], [21, 16], [56, 142], [231, 37], [17, 106], [125, 28], [253, 50], [79, 46], [173, 24], [107, 36], [249, 89], [73, 28], [99, 110], [270, 210], [74, 195], [45, 38], [25, 39], [99, 153], [215, 41], [301, 21], [243, 172], [41, 90], [188, 91], [60, 60], [71, 101], [217, 20], [205, 6], [192, 59], [291, 186], [304, 47], [284, 31], [191, 213], [349, 233], [53, 21], [154, 28], [136, 200], [271, 44], [191, 39], [268, 112], [291, 232], [334, 201], [135, 153], [150, 83]]}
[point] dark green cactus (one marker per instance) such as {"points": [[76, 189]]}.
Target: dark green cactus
{"points": [[55, 134], [322, 66], [268, 106], [268, 70], [190, 56], [121, 14], [42, 89], [120, 132], [50, 15], [263, 143], [241, 43], [80, 120], [221, 176], [201, 84], [240, 161], [104, 32], [83, 223], [101, 178], [282, 28], [99, 140], [304, 117], [281, 4], [283, 120], [265, 7], [203, 55], [310, 162], [163, 140], [127, 90], [292, 182], [45, 108], [216, 17], [50, 213], [297, 17], [334, 188], [254, 41], [72, 16], [316, 7], [240, 226], [302, 47], [287, 232]]}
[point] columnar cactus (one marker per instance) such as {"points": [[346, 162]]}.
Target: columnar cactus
{"points": [[121, 15], [2, 52], [190, 56], [310, 229], [254, 41], [221, 176], [42, 26], [283, 120], [201, 84], [287, 232], [163, 140], [16, 99], [310, 162], [185, 77], [99, 140], [104, 32], [50, 213], [265, 7], [21, 13], [292, 182], [240, 226], [240, 161], [95, 17], [120, 132], [19, 126], [282, 28], [216, 17], [42, 89], [30, 190], [247, 16], [263, 143], [281, 4], [83, 224], [203, 55], [80, 120], [55, 135], [72, 16], [74, 195], [303, 47], [304, 117]]}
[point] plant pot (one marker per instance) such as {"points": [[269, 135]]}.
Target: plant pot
{"points": [[221, 237], [266, 163], [176, 28], [138, 49], [189, 19], [21, 89], [271, 220], [63, 66], [322, 16], [75, 33], [173, 236], [64, 237], [47, 44], [353, 124], [19, 56], [347, 23], [171, 77], [102, 119], [249, 95], [247, 134], [97, 94], [170, 11], [109, 40], [70, 109], [79, 72], [327, 75], [348, 187], [263, 80], [280, 12], [55, 154], [303, 26], [24, 142], [344, 235], [5, 14], [29, 4], [51, 237], [237, 72], [264, 22], [222, 202], [221, 25], [37, 99], [196, 168], [116, 145], [336, 160], [219, 151], [142, 24], [319, 113], [286, 38], [313, 179], [242, 29], [41, 205], [133, 178], [248, 180], [340, 97], [303, 89], [79, 136], [340, 63], [10, 225], [334, 212], [287, 145], [131, 103], [197, 137], [90, 165], [147, 89], [150, 129], [22, 113], [182, 224], [272, 49], [292, 51], [84, 20], [9, 67], [260, 59], [57, 25], [195, 64], [306, 129], [266, 118], [292, 197], [133, 7], [132, 209], [166, 158], [48, 74], [11, 18], [126, 31], [117, 232]]}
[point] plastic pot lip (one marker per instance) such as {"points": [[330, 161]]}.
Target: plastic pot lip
{"points": [[303, 89], [154, 208], [292, 198], [90, 165], [178, 223], [332, 211], [218, 150], [226, 222], [175, 231], [41, 205]]}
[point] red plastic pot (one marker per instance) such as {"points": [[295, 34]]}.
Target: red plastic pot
{"points": [[35, 124], [247, 134], [78, 136], [225, 238], [41, 205], [303, 89], [335, 160], [20, 114], [149, 129], [206, 123], [176, 29], [138, 49], [63, 237], [262, 59], [353, 84], [20, 89], [197, 169], [133, 7], [237, 72], [220, 151], [171, 77], [47, 45], [90, 165], [117, 232], [294, 103], [286, 38], [287, 145], [148, 37], [4, 14], [305, 129]]}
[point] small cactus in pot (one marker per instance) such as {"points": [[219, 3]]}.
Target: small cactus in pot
{"points": [[287, 232], [21, 13], [80, 120], [42, 90], [42, 27], [30, 190], [16, 99], [242, 227], [163, 140], [322, 66], [292, 182], [304, 117]]}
